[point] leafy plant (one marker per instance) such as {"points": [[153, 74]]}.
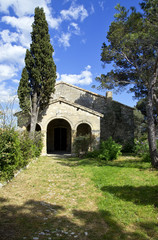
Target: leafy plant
{"points": [[37, 144], [10, 152], [141, 149], [83, 143], [16, 150], [108, 150]]}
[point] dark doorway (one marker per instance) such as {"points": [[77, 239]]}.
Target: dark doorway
{"points": [[58, 136], [60, 139], [83, 129]]}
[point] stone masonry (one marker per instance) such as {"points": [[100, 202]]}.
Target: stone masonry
{"points": [[73, 109]]}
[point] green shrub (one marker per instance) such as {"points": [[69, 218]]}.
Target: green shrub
{"points": [[37, 144], [16, 150], [93, 154], [30, 148], [26, 146], [128, 147], [141, 149], [10, 152], [108, 150], [83, 143]]}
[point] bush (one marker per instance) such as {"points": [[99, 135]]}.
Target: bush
{"points": [[128, 147], [37, 144], [30, 148], [93, 154], [108, 150], [16, 150], [10, 152], [26, 146], [141, 149], [83, 143]]}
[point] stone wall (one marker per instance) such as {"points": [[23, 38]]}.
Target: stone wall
{"points": [[73, 115], [118, 120], [76, 106]]}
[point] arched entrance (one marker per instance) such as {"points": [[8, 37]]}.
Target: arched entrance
{"points": [[83, 129], [58, 136]]}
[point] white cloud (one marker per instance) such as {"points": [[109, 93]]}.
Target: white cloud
{"points": [[23, 19], [12, 54], [75, 12], [22, 7], [9, 37], [16, 81], [21, 23], [7, 93], [54, 22], [64, 40], [74, 28], [7, 72], [23, 26], [101, 4], [92, 9], [84, 78]]}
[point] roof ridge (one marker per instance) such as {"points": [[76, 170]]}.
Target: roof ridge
{"points": [[77, 106], [96, 94], [71, 85]]}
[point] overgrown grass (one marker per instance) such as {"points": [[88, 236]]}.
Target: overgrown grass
{"points": [[84, 199]]}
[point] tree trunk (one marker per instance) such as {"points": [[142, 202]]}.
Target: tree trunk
{"points": [[34, 116], [151, 129]]}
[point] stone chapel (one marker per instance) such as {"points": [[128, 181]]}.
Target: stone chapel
{"points": [[73, 111]]}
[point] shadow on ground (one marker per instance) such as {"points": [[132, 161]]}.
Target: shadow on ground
{"points": [[141, 195], [41, 220], [131, 163]]}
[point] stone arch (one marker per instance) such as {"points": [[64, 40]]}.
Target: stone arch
{"points": [[83, 129], [53, 118], [85, 122], [58, 136]]}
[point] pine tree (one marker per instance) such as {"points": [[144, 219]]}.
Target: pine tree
{"points": [[133, 48], [39, 74]]}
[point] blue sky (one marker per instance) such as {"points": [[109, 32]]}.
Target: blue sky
{"points": [[77, 29]]}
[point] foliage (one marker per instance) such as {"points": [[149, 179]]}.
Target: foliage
{"points": [[128, 147], [37, 144], [140, 125], [39, 74], [16, 150], [141, 106], [10, 153], [133, 51], [108, 150], [26, 146], [141, 149], [83, 143]]}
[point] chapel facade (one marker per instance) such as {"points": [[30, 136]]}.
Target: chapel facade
{"points": [[74, 111]]}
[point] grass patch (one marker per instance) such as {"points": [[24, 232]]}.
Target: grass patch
{"points": [[84, 199]]}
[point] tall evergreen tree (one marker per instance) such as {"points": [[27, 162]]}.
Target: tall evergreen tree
{"points": [[39, 74], [133, 48]]}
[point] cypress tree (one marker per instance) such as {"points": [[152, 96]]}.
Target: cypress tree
{"points": [[39, 74]]}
